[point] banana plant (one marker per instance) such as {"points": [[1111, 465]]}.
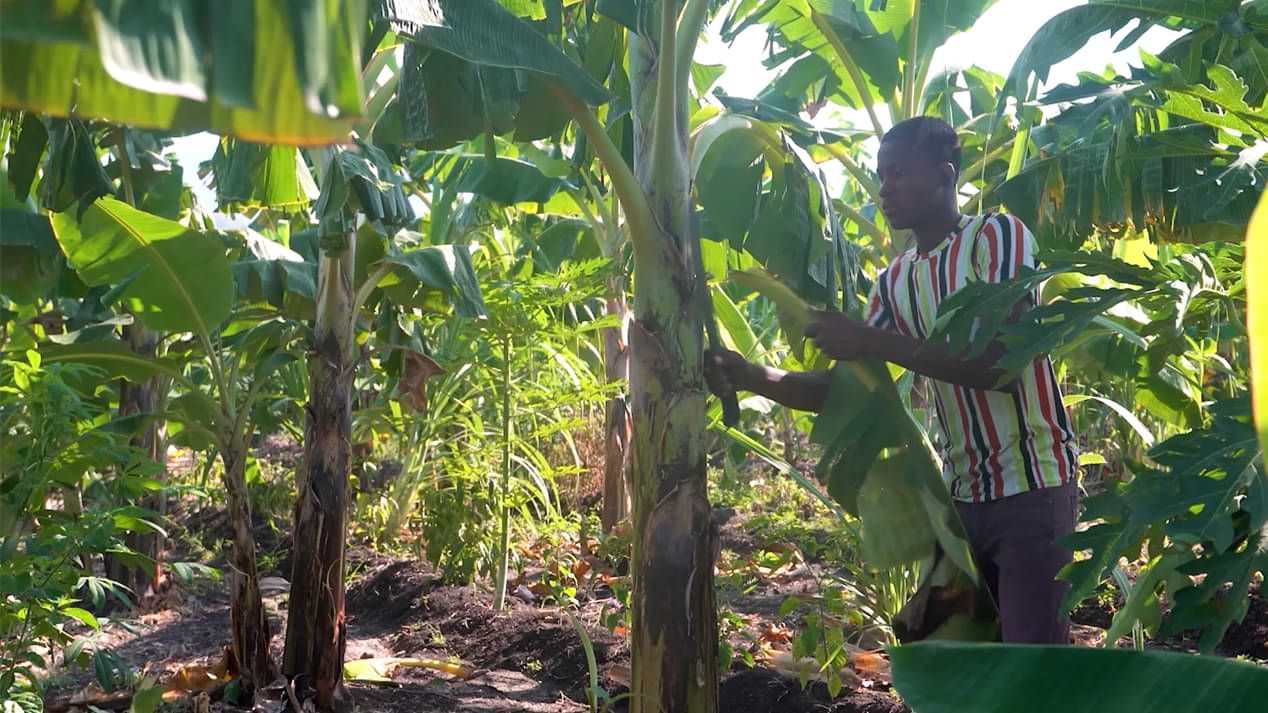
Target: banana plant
{"points": [[674, 632], [358, 267], [1171, 150], [152, 262], [177, 280]]}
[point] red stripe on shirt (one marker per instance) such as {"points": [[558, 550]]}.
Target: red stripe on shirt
{"points": [[896, 313], [992, 273], [1019, 245], [969, 446], [992, 436], [1049, 415], [1030, 434]]}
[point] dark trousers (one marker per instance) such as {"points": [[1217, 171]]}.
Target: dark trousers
{"points": [[1014, 543]]}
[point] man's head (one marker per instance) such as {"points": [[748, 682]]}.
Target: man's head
{"points": [[918, 163]]}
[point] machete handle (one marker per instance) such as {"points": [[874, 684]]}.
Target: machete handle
{"points": [[730, 409]]}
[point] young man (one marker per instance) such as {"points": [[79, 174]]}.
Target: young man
{"points": [[1007, 451]]}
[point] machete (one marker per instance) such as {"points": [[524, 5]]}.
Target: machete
{"points": [[704, 302]]}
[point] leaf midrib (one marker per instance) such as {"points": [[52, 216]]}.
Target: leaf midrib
{"points": [[159, 260]]}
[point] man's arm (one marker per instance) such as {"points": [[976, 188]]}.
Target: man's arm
{"points": [[727, 372], [935, 361], [841, 337], [804, 391]]}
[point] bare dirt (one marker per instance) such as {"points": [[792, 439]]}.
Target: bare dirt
{"points": [[1247, 638], [527, 658], [764, 691]]}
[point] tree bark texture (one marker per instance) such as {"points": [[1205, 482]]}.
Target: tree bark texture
{"points": [[316, 631], [137, 399], [246, 611], [616, 427], [674, 635]]}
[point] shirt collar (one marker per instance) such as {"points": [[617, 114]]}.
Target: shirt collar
{"points": [[960, 226]]}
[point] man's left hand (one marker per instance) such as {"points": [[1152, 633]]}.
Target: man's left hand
{"points": [[838, 336]]}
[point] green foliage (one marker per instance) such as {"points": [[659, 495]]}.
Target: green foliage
{"points": [[449, 479], [940, 677], [255, 71], [472, 67], [55, 443], [113, 243], [251, 175], [1064, 34], [1201, 512], [487, 239]]}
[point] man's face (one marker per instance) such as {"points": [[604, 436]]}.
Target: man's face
{"points": [[912, 185]]}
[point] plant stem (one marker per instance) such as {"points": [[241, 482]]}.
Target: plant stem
{"points": [[665, 148], [689, 27], [979, 166], [909, 75], [371, 282], [858, 172], [504, 551], [856, 75], [125, 168], [868, 226], [638, 212]]}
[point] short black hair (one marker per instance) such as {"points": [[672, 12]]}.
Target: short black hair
{"points": [[929, 134]]}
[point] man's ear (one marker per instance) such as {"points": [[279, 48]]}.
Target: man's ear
{"points": [[949, 174]]}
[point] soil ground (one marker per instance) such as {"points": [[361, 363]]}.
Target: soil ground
{"points": [[529, 657]]}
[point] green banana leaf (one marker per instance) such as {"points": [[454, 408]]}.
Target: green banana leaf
{"points": [[30, 261], [172, 278], [1257, 319], [446, 268], [115, 359], [267, 72], [471, 67], [946, 677], [286, 285], [250, 174], [877, 462], [1069, 31], [485, 33]]}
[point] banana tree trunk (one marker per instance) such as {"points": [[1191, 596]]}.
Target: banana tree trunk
{"points": [[674, 635], [616, 428], [246, 612], [315, 631], [138, 399]]}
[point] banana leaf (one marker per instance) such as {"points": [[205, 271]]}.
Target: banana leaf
{"points": [[880, 467], [1257, 317], [267, 72], [947, 677]]}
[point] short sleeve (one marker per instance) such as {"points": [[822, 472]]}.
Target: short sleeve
{"points": [[1003, 246], [878, 313]]}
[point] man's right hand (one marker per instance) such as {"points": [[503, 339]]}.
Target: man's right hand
{"points": [[727, 372]]}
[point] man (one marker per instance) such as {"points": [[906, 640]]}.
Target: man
{"points": [[1007, 451]]}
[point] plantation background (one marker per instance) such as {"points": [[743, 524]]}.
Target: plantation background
{"points": [[352, 351]]}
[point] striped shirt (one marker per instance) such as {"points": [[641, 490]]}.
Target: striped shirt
{"points": [[993, 444]]}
